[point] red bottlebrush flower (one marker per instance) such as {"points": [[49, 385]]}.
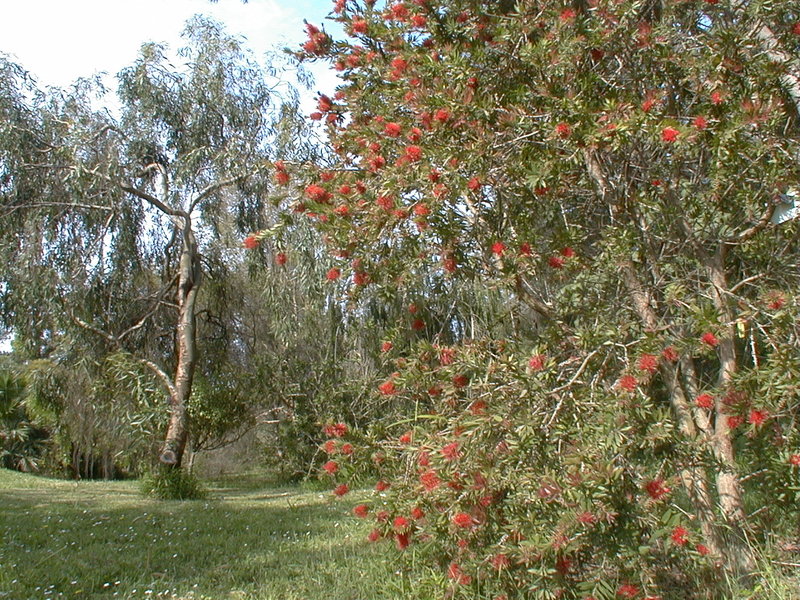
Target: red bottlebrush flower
{"points": [[629, 383], [414, 153], [376, 163], [417, 513], [359, 25], [627, 590], [498, 248], [450, 265], [250, 242], [317, 193], [324, 104], [418, 325], [775, 301], [281, 258], [382, 486], [345, 190], [478, 408], [316, 116], [446, 356], [556, 262], [704, 401], [429, 479], [716, 97], [455, 573], [702, 549], [734, 421], [670, 354], [669, 134], [434, 175], [361, 511], [422, 210], [442, 115], [330, 467], [419, 21], [474, 184], [329, 447], [679, 536], [374, 535], [525, 249], [700, 123], [405, 438], [400, 524], [360, 278], [757, 417], [434, 391], [399, 64], [648, 363], [537, 362], [342, 210], [281, 177], [794, 460], [336, 430], [402, 540], [463, 520], [500, 561], [567, 15], [460, 381], [648, 104], [347, 449], [385, 202], [796, 28], [333, 274], [399, 11], [450, 451], [567, 252], [656, 489], [415, 134], [392, 129], [563, 130], [709, 339], [387, 388], [386, 346], [341, 490]]}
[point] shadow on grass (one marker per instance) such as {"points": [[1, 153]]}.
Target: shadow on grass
{"points": [[99, 541]]}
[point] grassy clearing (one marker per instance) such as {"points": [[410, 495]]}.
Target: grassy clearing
{"points": [[61, 539]]}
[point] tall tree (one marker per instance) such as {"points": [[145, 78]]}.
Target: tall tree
{"points": [[617, 166], [107, 216]]}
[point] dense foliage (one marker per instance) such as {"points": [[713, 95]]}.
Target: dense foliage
{"points": [[623, 173]]}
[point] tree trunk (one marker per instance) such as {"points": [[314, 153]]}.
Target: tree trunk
{"points": [[728, 486], [186, 342]]}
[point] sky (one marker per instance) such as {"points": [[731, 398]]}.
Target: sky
{"points": [[58, 41]]}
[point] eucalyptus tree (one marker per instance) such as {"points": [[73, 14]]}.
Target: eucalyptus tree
{"points": [[113, 216]]}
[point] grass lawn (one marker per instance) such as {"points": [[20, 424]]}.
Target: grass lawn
{"points": [[64, 539]]}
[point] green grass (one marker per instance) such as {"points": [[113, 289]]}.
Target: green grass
{"points": [[63, 539]]}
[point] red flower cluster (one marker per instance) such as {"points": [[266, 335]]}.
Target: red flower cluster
{"points": [[648, 363], [709, 339], [330, 467], [463, 520], [451, 451], [679, 536], [336, 430], [361, 511], [656, 489], [669, 134], [537, 362], [629, 383], [250, 242], [704, 401]]}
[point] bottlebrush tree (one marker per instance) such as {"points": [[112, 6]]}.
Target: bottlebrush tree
{"points": [[616, 168]]}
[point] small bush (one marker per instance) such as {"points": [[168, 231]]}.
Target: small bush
{"points": [[172, 484]]}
